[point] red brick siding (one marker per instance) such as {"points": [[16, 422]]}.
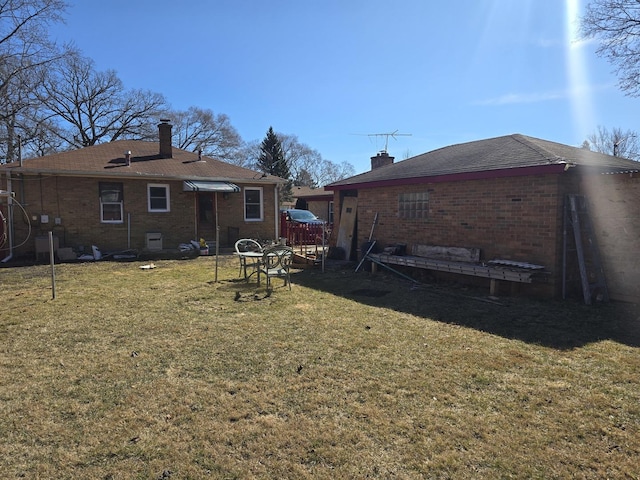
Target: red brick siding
{"points": [[511, 218], [518, 218], [614, 205]]}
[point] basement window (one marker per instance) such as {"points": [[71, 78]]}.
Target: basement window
{"points": [[111, 202], [253, 204], [158, 197], [414, 205]]}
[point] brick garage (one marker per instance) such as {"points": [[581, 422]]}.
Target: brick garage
{"points": [[505, 196]]}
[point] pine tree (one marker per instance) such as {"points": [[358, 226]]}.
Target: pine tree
{"points": [[272, 162]]}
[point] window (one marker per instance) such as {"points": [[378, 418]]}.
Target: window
{"points": [[111, 202], [158, 197], [413, 205], [253, 204], [330, 219]]}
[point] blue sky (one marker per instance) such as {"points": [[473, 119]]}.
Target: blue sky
{"points": [[336, 72]]}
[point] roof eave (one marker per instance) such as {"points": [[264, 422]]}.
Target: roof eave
{"points": [[555, 168], [270, 180]]}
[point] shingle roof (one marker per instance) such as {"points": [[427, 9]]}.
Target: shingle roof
{"points": [[108, 159], [500, 153]]}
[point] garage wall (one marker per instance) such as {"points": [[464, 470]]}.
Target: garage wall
{"points": [[614, 203]]}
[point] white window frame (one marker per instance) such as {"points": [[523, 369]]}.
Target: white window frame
{"points": [[261, 205], [119, 203], [167, 190]]}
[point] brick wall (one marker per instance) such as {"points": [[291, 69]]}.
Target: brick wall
{"points": [[320, 208], [614, 205], [76, 203], [517, 218], [231, 219], [510, 218], [520, 218]]}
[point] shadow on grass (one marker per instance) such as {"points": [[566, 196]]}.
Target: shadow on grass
{"points": [[552, 323]]}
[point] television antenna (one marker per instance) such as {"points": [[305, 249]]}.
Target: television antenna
{"points": [[386, 136]]}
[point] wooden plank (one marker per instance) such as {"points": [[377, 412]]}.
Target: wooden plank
{"points": [[346, 230], [456, 254], [477, 270]]}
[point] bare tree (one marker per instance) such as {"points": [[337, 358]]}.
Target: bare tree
{"points": [[332, 172], [302, 160], [247, 155], [201, 129], [614, 142], [93, 107], [616, 23], [307, 166], [24, 47]]}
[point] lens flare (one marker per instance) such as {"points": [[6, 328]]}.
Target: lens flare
{"points": [[579, 92]]}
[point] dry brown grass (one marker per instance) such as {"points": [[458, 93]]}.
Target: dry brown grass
{"points": [[164, 374]]}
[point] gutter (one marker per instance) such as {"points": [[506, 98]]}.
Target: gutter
{"points": [[139, 175]]}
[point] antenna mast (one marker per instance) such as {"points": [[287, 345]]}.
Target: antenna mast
{"points": [[386, 137]]}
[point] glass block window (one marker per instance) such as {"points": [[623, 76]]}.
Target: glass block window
{"points": [[414, 205]]}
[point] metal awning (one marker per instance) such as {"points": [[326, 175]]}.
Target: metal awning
{"points": [[194, 186]]}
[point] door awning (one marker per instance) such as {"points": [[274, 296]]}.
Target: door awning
{"points": [[193, 186]]}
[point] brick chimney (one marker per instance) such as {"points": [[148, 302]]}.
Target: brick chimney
{"points": [[164, 131], [380, 160]]}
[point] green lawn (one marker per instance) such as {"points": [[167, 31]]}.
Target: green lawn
{"points": [[164, 373]]}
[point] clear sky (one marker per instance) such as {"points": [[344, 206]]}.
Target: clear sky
{"points": [[336, 72]]}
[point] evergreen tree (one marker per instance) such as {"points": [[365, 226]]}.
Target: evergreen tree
{"points": [[272, 162]]}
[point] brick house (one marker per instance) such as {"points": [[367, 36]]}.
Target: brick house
{"points": [[135, 195], [505, 196]]}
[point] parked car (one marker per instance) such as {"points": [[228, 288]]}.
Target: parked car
{"points": [[302, 216], [302, 227]]}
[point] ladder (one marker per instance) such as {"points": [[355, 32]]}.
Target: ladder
{"points": [[578, 221]]}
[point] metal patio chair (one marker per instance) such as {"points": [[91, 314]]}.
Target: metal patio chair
{"points": [[245, 249], [276, 262]]}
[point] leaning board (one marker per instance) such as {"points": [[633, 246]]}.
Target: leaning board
{"points": [[347, 225]]}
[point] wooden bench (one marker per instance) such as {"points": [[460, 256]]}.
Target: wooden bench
{"points": [[462, 261]]}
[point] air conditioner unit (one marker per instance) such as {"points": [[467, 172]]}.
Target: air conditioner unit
{"points": [[154, 241]]}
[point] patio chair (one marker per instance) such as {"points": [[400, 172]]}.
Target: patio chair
{"points": [[248, 262], [276, 262]]}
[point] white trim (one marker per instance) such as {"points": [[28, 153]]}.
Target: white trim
{"points": [[102, 204], [168, 197], [120, 203], [244, 195]]}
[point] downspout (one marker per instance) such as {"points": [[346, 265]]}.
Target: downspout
{"points": [[276, 202]]}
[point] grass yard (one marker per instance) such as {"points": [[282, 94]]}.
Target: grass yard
{"points": [[164, 373]]}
